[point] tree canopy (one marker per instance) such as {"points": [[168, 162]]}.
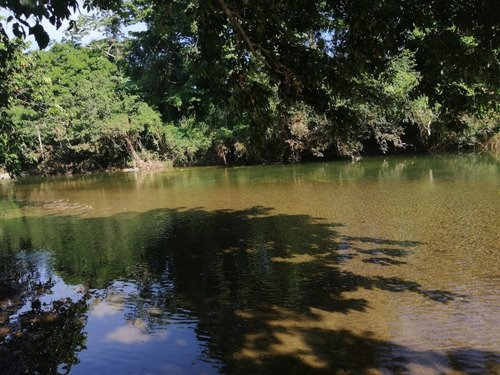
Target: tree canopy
{"points": [[283, 79]]}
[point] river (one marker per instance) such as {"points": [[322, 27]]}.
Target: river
{"points": [[385, 266]]}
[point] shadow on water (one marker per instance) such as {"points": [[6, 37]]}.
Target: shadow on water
{"points": [[37, 335], [265, 289]]}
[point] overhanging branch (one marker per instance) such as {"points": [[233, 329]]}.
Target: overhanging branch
{"points": [[258, 51]]}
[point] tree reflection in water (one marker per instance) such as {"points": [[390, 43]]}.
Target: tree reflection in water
{"points": [[265, 291], [42, 329]]}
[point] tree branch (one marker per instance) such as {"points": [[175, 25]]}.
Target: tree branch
{"points": [[239, 29], [257, 50]]}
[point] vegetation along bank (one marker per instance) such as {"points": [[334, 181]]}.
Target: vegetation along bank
{"points": [[245, 82]]}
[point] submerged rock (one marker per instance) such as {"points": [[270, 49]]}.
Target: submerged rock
{"points": [[155, 311]]}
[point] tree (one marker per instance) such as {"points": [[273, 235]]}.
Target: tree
{"points": [[24, 100], [234, 64], [319, 54], [287, 36], [100, 124]]}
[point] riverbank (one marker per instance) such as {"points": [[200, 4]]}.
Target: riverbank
{"points": [[493, 143], [151, 165]]}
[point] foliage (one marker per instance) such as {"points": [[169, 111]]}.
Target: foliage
{"points": [[234, 81], [23, 101], [365, 69], [25, 13], [186, 142], [73, 112], [102, 124]]}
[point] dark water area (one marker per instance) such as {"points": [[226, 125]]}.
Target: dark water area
{"points": [[385, 266]]}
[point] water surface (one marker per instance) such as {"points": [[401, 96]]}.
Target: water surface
{"points": [[386, 266]]}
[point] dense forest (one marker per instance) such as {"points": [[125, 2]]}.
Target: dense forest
{"points": [[234, 82]]}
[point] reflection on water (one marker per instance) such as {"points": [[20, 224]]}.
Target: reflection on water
{"points": [[384, 266]]}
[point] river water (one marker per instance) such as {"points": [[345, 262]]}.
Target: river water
{"points": [[385, 266]]}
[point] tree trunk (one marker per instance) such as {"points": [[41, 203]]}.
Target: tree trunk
{"points": [[131, 150], [37, 127]]}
